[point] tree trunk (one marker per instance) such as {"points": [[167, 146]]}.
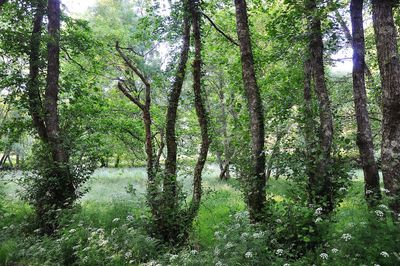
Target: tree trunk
{"points": [[309, 130], [33, 85], [170, 178], [117, 161], [323, 186], [52, 90], [256, 181], [225, 172], [200, 108], [364, 134], [389, 65]]}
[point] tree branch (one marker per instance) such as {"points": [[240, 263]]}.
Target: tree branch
{"points": [[219, 30], [131, 66], [126, 92]]}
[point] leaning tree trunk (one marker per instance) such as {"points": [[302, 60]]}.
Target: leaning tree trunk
{"points": [[364, 134], [389, 65], [256, 181], [323, 187]]}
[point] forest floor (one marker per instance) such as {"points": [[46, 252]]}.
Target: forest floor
{"points": [[114, 195]]}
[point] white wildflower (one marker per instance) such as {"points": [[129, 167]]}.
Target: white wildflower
{"points": [[286, 264], [103, 243], [217, 251], [129, 218], [229, 245], [279, 221], [368, 192], [244, 235], [248, 254], [384, 254], [379, 213], [115, 220], [279, 252], [324, 256], [194, 252], [383, 206], [258, 235], [346, 237], [72, 231], [318, 220], [318, 211], [335, 250], [128, 255]]}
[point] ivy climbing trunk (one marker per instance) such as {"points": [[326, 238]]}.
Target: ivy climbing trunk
{"points": [[54, 136], [323, 194], [364, 134], [33, 86], [256, 181], [389, 66], [200, 108], [170, 178]]}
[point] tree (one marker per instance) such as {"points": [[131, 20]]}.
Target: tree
{"points": [[364, 134], [389, 66], [322, 194], [256, 180]]}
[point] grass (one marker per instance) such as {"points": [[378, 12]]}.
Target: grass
{"points": [[108, 199]]}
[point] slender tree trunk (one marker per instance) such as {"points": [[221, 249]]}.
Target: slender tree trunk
{"points": [[256, 181], [33, 86], [170, 178], [389, 65], [323, 193], [225, 173], [200, 108], [160, 151], [364, 134], [52, 90], [309, 130], [275, 151], [117, 161]]}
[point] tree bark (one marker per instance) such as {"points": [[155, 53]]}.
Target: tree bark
{"points": [[33, 86], [59, 153], [364, 134], [170, 178], [226, 161], [309, 129], [389, 65], [200, 108], [257, 180], [323, 187]]}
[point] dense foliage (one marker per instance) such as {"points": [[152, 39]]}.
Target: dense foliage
{"points": [[199, 133]]}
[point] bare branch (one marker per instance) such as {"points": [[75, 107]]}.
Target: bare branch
{"points": [[219, 30], [132, 66], [126, 92]]}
